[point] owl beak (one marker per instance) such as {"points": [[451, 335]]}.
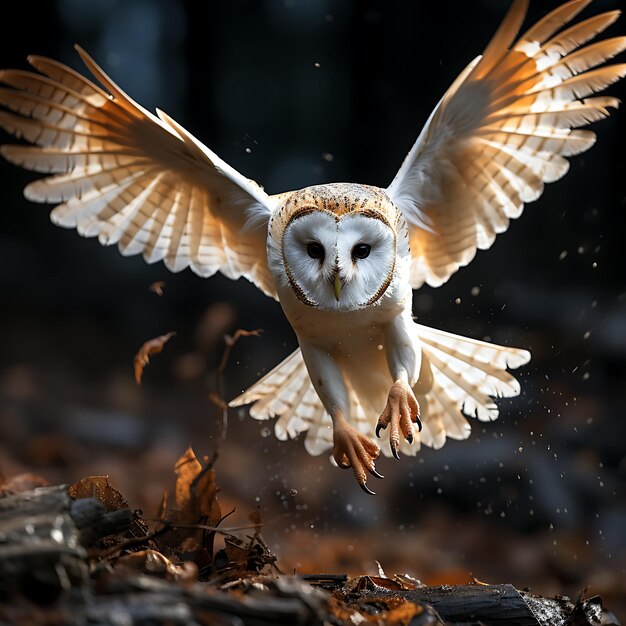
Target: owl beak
{"points": [[337, 287]]}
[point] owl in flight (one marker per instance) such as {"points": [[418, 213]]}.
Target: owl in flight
{"points": [[342, 259]]}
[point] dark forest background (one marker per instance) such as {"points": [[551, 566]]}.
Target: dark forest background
{"points": [[294, 93]]}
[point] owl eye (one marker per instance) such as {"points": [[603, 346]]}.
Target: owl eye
{"points": [[361, 251], [315, 250]]}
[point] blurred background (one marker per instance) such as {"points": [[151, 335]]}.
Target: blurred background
{"points": [[294, 93]]}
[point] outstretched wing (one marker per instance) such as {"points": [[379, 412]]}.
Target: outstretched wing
{"points": [[501, 131], [131, 178]]}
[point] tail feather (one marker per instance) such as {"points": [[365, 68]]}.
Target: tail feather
{"points": [[467, 374], [500, 357]]}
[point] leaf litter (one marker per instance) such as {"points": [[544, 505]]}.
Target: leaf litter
{"points": [[171, 570]]}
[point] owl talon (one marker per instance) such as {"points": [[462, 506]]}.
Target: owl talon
{"points": [[394, 450], [401, 411], [353, 449], [367, 489], [374, 473]]}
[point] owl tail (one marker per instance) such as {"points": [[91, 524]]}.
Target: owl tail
{"points": [[459, 375], [466, 375]]}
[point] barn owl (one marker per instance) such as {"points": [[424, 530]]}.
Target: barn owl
{"points": [[342, 259]]}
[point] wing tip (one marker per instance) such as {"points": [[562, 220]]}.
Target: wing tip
{"points": [[518, 357]]}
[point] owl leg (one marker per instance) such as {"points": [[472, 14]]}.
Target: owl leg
{"points": [[401, 411], [352, 448]]}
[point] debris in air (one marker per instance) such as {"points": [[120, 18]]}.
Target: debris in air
{"points": [[157, 287], [152, 346]]}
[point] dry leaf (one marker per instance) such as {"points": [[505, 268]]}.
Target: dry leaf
{"points": [[239, 333], [157, 287], [186, 468], [20, 483], [196, 503], [152, 346], [154, 563], [406, 581], [236, 550], [205, 490], [393, 611], [98, 487], [400, 612]]}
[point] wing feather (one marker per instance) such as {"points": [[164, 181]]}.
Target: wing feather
{"points": [[504, 128], [132, 178]]}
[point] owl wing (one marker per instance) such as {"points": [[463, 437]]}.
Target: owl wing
{"points": [[288, 393], [131, 178], [501, 131]]}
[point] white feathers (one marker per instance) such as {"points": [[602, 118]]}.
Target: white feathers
{"points": [[466, 375], [132, 178], [363, 280], [500, 132]]}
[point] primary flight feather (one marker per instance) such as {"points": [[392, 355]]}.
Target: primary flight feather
{"points": [[342, 259]]}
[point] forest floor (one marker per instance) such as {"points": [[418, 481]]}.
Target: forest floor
{"points": [[78, 554]]}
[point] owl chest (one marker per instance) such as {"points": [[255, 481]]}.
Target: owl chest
{"points": [[343, 335]]}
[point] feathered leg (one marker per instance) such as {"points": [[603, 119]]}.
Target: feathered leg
{"points": [[351, 448]]}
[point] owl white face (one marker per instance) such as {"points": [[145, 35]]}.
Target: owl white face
{"points": [[339, 264]]}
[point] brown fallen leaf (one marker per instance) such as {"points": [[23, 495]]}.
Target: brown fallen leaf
{"points": [[152, 346], [196, 504], [154, 563], [205, 490], [98, 487], [236, 551], [20, 483], [186, 468], [157, 287], [392, 611]]}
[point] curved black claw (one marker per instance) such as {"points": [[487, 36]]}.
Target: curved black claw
{"points": [[379, 427], [374, 473], [394, 450], [418, 422], [409, 438], [367, 489]]}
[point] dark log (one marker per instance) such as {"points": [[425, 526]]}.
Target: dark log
{"points": [[43, 535], [490, 605], [493, 605]]}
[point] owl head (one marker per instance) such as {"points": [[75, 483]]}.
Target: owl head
{"points": [[336, 246]]}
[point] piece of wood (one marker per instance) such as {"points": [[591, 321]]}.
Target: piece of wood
{"points": [[43, 536], [489, 605], [493, 605]]}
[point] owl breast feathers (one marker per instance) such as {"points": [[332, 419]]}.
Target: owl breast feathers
{"points": [[342, 259]]}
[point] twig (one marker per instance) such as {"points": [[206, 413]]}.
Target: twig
{"points": [[218, 397], [136, 541], [223, 531]]}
